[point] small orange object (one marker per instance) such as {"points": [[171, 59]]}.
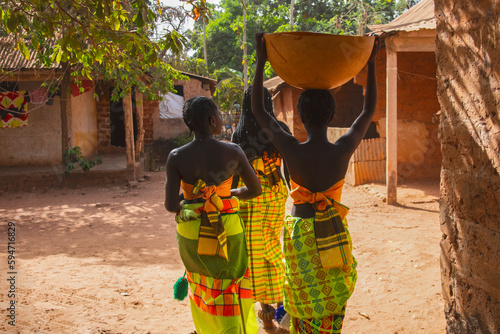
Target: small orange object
{"points": [[310, 60]]}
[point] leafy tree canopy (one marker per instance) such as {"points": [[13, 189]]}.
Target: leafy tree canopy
{"points": [[328, 16], [224, 30], [95, 38]]}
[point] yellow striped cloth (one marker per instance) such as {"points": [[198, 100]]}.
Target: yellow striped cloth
{"points": [[213, 238], [334, 246], [263, 217]]}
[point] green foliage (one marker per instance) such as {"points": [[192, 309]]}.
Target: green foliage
{"points": [[224, 45], [183, 139], [95, 38], [73, 158], [225, 30], [190, 65], [229, 89], [152, 161]]}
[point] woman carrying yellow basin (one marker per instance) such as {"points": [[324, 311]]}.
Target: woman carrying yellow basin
{"points": [[320, 271]]}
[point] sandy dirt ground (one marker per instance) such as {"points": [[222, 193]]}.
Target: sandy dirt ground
{"points": [[104, 260]]}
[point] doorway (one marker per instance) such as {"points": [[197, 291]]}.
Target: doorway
{"points": [[117, 120]]}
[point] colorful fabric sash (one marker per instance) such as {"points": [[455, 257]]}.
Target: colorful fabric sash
{"points": [[264, 219], [212, 238], [331, 324], [333, 245], [220, 292], [219, 297], [268, 167]]}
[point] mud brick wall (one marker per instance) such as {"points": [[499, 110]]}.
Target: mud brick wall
{"points": [[103, 119], [419, 154], [149, 108], [349, 104], [468, 72]]}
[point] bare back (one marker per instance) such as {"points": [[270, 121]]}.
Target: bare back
{"points": [[210, 160], [316, 165]]}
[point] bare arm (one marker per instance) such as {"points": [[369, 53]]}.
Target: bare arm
{"points": [[173, 184], [252, 186], [352, 139], [287, 174], [277, 135]]}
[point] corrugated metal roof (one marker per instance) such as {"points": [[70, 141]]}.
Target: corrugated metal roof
{"points": [[274, 83], [12, 59], [420, 16], [200, 77]]}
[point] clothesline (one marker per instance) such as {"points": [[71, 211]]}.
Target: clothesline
{"points": [[418, 75]]}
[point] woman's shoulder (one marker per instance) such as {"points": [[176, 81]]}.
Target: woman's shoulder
{"points": [[180, 153], [228, 145], [179, 150]]}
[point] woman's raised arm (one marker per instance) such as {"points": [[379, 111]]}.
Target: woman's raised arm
{"points": [[276, 134]]}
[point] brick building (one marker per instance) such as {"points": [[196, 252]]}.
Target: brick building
{"points": [[116, 131]]}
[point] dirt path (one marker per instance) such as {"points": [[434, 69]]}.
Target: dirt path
{"points": [[104, 260]]}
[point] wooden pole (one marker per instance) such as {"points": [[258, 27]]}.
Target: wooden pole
{"points": [[245, 61], [129, 131], [205, 42], [140, 124], [392, 125], [66, 117]]}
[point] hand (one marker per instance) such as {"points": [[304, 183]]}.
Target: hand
{"points": [[261, 46], [376, 47]]}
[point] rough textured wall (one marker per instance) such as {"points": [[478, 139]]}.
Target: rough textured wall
{"points": [[39, 143], [285, 109], [160, 129], [279, 109], [193, 88], [150, 107], [165, 128], [103, 120], [103, 110], [349, 104], [468, 71], [157, 128], [84, 122]]}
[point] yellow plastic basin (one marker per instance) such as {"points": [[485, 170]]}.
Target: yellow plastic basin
{"points": [[317, 61]]}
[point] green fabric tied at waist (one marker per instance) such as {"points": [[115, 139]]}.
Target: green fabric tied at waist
{"points": [[188, 229]]}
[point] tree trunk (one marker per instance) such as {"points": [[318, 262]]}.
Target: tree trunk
{"points": [[245, 62], [129, 132], [205, 42], [291, 15], [140, 124], [66, 119]]}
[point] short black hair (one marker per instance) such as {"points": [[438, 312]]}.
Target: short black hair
{"points": [[197, 111], [316, 107]]}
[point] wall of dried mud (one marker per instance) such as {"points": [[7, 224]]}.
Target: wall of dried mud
{"points": [[468, 72]]}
